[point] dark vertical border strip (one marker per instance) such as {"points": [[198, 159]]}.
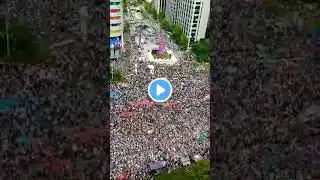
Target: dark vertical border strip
{"points": [[218, 32], [209, 34], [106, 23]]}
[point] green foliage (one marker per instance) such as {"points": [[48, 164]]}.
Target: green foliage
{"points": [[140, 1], [179, 37], [116, 75], [164, 24], [201, 50], [161, 16], [24, 46], [176, 32], [134, 3], [151, 10], [126, 27], [154, 13], [164, 56], [125, 6], [148, 7], [198, 171], [183, 41]]}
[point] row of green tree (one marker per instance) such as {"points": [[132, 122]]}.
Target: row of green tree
{"points": [[125, 6], [198, 171], [137, 2], [200, 48], [176, 31]]}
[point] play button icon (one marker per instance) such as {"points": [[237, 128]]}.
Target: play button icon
{"points": [[160, 90]]}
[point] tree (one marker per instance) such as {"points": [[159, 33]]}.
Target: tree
{"points": [[140, 1], [148, 7], [125, 6], [201, 50], [164, 23], [154, 13], [161, 16], [176, 32], [183, 41], [198, 171], [201, 171]]}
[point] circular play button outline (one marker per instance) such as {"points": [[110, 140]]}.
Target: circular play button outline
{"points": [[170, 90]]}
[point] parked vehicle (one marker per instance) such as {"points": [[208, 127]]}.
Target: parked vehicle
{"points": [[155, 167]]}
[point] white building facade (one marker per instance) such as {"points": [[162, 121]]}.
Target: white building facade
{"points": [[156, 5], [116, 28], [191, 15], [159, 5]]}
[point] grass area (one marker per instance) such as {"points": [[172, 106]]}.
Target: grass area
{"points": [[117, 76], [198, 171], [164, 56], [24, 47]]}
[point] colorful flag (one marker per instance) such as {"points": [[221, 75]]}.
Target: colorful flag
{"points": [[201, 137]]}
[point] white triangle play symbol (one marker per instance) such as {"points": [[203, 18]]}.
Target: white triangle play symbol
{"points": [[160, 90]]}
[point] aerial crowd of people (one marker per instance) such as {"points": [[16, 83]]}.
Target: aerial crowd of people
{"points": [[144, 132]]}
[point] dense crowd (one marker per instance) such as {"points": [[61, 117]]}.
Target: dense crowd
{"points": [[144, 132], [175, 125], [266, 109]]}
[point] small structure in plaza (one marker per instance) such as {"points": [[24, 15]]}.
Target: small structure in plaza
{"points": [[148, 50], [161, 49], [153, 167], [161, 53]]}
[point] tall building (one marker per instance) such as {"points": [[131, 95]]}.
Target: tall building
{"points": [[191, 15], [159, 5], [116, 28]]}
